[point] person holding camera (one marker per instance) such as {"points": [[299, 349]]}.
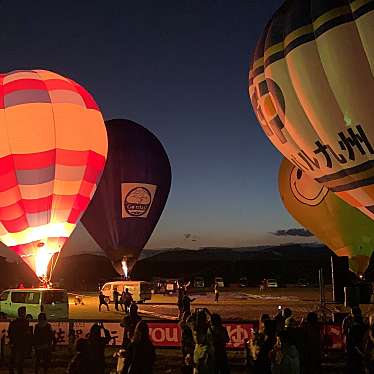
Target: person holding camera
{"points": [[203, 356]]}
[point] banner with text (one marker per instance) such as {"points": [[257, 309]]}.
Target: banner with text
{"points": [[165, 334]]}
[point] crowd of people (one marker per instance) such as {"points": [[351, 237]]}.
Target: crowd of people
{"points": [[281, 345], [23, 339], [122, 300], [137, 353], [204, 340]]}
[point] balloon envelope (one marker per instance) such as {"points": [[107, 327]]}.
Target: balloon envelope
{"points": [[53, 146], [344, 229], [311, 86], [131, 195]]}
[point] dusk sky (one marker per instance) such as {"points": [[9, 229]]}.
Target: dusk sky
{"points": [[180, 69]]}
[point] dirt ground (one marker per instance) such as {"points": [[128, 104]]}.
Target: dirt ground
{"points": [[234, 304]]}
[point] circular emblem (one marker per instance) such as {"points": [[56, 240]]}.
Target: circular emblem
{"points": [[305, 189], [137, 201]]}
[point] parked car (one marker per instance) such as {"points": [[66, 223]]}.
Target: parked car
{"points": [[158, 286], [219, 281], [302, 283], [243, 281], [271, 283], [198, 282]]}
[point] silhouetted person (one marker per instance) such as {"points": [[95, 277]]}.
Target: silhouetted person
{"points": [[187, 342], [265, 343], [126, 299], [312, 336], [43, 341], [98, 338], [348, 320], [19, 340], [120, 301], [140, 353], [80, 363], [216, 292], [369, 351], [102, 301], [284, 356], [115, 298], [355, 330], [295, 332], [261, 323], [220, 339], [186, 303], [181, 293], [129, 323], [279, 320]]}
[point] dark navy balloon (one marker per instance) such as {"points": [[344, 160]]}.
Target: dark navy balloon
{"points": [[131, 194]]}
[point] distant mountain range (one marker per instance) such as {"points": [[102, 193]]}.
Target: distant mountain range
{"points": [[146, 253], [287, 263]]}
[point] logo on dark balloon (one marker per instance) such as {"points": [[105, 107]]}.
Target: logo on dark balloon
{"points": [[137, 201]]}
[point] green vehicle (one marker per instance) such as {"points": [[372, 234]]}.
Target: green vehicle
{"points": [[53, 302]]}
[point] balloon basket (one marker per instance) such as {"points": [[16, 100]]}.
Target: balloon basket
{"points": [[45, 283]]}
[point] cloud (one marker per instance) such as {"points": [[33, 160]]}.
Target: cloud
{"points": [[293, 232]]}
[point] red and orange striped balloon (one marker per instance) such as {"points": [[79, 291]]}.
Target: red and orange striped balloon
{"points": [[53, 147]]}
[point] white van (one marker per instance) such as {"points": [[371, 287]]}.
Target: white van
{"points": [[271, 283], [140, 290], [219, 281], [52, 302]]}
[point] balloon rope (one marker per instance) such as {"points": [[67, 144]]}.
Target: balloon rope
{"points": [[53, 265]]}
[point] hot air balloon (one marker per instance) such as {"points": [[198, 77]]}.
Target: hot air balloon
{"points": [[53, 147], [344, 229], [131, 195], [311, 86]]}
